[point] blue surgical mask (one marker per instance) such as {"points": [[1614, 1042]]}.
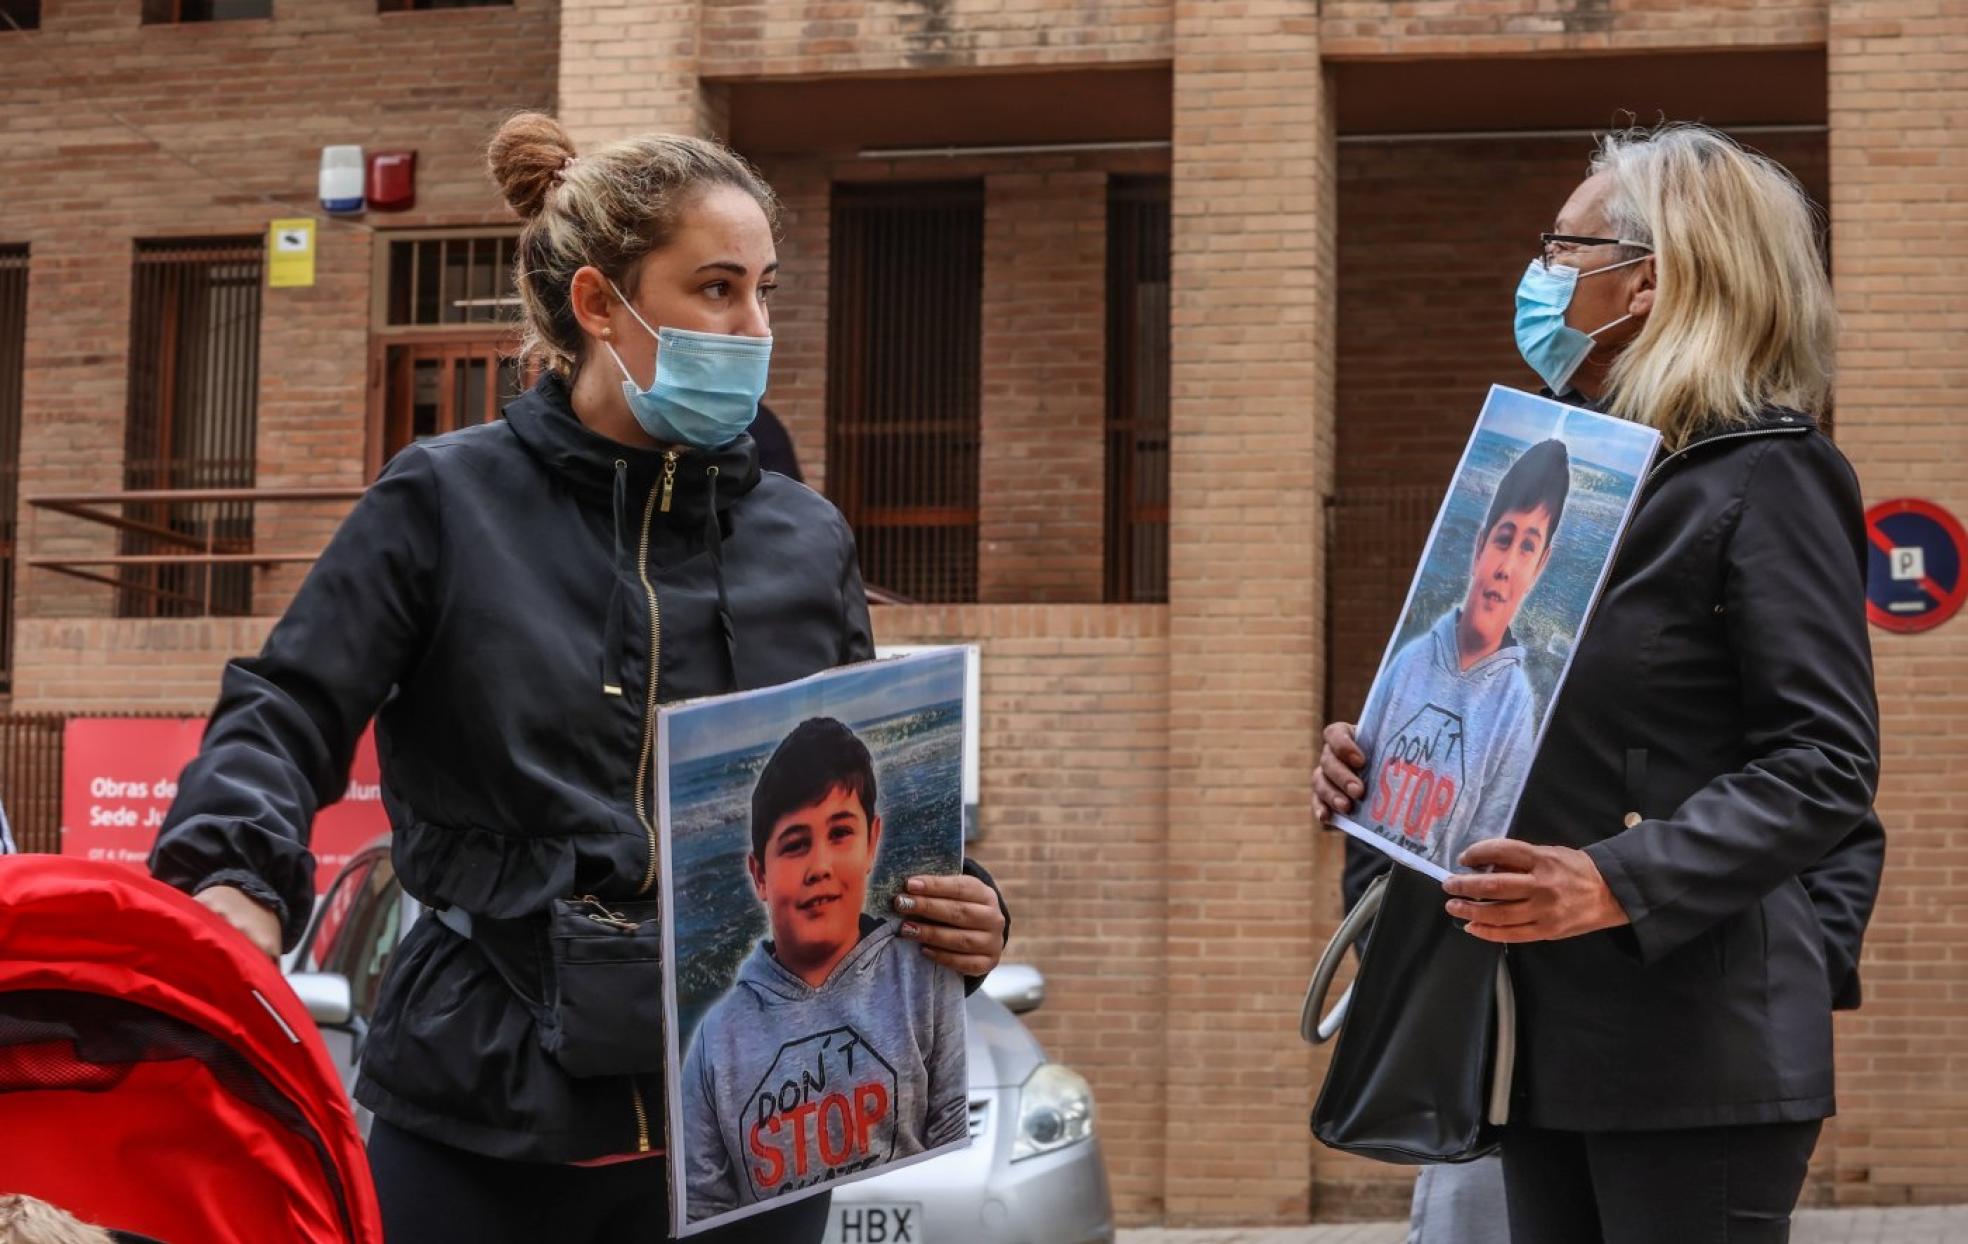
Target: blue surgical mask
{"points": [[707, 386], [1553, 348]]}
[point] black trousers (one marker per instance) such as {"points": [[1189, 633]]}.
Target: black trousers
{"points": [[432, 1193], [1706, 1185]]}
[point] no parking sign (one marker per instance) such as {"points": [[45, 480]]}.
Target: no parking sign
{"points": [[1914, 579]]}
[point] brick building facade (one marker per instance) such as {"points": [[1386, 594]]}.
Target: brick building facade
{"points": [[1172, 590]]}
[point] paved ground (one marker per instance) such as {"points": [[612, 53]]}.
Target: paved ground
{"points": [[1927, 1225]]}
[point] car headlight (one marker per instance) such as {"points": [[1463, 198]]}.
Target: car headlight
{"points": [[1055, 1109]]}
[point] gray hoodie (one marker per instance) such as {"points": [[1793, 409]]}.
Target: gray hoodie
{"points": [[787, 1086], [1447, 749]]}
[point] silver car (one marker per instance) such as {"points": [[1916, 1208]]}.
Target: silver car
{"points": [[1033, 1173]]}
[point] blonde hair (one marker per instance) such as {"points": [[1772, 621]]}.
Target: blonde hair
{"points": [[26, 1220], [607, 209], [1743, 317]]}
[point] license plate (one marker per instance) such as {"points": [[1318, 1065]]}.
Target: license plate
{"points": [[878, 1223]]}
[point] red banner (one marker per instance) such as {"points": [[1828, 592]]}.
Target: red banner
{"points": [[119, 775]]}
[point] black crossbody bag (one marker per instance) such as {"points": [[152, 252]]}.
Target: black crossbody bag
{"points": [[591, 975]]}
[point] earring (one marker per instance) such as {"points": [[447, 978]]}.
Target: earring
{"points": [[607, 334]]}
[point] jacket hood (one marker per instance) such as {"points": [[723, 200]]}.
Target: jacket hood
{"points": [[700, 493], [773, 983], [1508, 653]]}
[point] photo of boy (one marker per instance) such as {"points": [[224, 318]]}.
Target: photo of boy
{"points": [[1452, 717], [839, 1047]]}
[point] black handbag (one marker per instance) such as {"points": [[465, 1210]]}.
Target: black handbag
{"points": [[591, 974], [1427, 1031]]}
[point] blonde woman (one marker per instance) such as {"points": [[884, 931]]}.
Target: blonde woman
{"points": [[1717, 737], [513, 601]]}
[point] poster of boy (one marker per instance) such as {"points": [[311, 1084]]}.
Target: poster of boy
{"points": [[1511, 571], [809, 1045]]}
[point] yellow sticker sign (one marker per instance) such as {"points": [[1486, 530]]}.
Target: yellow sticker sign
{"points": [[290, 253]]}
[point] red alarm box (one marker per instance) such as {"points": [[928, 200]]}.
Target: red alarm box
{"points": [[392, 181]]}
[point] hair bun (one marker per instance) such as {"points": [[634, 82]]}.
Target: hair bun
{"points": [[526, 158]]}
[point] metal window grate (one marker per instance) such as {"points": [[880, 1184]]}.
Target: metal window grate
{"points": [[13, 375], [193, 406], [1137, 389], [171, 12], [904, 381], [452, 280], [1374, 541], [407, 6]]}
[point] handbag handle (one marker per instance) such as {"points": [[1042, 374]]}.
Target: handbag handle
{"points": [[1318, 1029], [1503, 1069]]}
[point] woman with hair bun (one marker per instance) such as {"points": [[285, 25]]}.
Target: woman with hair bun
{"points": [[511, 602]]}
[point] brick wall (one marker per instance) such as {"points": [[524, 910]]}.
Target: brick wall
{"points": [[752, 39], [1251, 415], [629, 68], [1076, 828], [798, 393], [220, 132], [1366, 28], [1899, 183], [102, 665]]}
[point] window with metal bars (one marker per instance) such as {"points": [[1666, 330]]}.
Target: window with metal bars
{"points": [[13, 375], [173, 12], [461, 279], [193, 406], [408, 6], [904, 382], [444, 349], [19, 15], [1137, 389]]}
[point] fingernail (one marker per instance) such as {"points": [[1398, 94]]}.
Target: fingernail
{"points": [[904, 903], [1343, 804], [915, 885], [1354, 789], [910, 930]]}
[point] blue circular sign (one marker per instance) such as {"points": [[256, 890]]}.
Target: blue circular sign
{"points": [[1914, 579]]}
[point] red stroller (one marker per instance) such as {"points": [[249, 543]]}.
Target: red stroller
{"points": [[158, 1076]]}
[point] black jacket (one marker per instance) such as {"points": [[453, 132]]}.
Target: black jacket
{"points": [[1722, 700], [499, 595]]}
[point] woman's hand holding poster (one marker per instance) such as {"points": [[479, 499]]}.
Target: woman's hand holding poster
{"points": [[1512, 569]]}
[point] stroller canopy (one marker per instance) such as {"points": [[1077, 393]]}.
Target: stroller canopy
{"points": [[158, 1076]]}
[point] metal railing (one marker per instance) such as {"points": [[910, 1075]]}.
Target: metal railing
{"points": [[205, 546]]}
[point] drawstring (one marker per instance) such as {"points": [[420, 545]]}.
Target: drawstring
{"points": [[714, 537], [612, 631]]}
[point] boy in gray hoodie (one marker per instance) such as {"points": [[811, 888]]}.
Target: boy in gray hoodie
{"points": [[1451, 726], [840, 1047]]}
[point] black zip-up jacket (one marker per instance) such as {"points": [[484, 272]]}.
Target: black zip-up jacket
{"points": [[497, 600], [1716, 738]]}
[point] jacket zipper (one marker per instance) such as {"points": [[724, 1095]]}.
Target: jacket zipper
{"points": [[641, 1114], [649, 735], [655, 671], [1663, 464]]}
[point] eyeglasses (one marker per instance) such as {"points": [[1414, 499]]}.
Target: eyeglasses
{"points": [[1552, 245]]}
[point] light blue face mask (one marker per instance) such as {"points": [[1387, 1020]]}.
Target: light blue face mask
{"points": [[707, 386], [1553, 348]]}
